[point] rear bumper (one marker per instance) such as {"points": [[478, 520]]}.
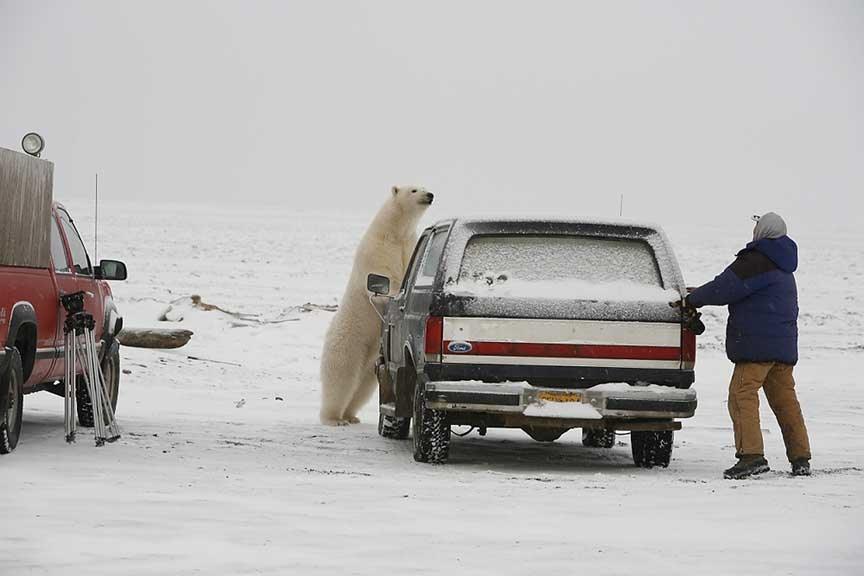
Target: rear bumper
{"points": [[606, 402], [567, 376]]}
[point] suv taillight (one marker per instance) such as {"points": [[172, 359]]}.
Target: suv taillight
{"points": [[688, 349], [434, 337]]}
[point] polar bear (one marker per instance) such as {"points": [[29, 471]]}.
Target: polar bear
{"points": [[351, 343]]}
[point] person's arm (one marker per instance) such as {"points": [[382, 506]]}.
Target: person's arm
{"points": [[734, 284]]}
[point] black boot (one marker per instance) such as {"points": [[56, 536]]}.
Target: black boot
{"points": [[747, 466], [801, 467]]}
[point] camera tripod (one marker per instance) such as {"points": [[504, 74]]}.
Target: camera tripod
{"points": [[81, 351]]}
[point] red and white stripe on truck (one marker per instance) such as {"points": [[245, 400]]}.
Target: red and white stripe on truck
{"points": [[574, 343]]}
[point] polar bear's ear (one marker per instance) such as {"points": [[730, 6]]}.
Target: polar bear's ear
{"points": [[395, 190]]}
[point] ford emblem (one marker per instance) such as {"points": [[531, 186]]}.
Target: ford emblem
{"points": [[459, 347]]}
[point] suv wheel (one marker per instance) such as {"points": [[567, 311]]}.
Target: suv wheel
{"points": [[11, 404], [651, 448], [393, 427], [431, 431], [111, 373], [598, 438]]}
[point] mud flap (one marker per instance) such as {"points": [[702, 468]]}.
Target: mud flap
{"points": [[404, 393]]}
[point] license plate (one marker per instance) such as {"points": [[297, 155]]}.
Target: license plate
{"points": [[560, 396]]}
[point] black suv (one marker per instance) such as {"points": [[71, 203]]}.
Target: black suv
{"points": [[538, 325]]}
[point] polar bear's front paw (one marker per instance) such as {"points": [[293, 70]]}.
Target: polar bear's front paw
{"points": [[334, 422], [352, 419]]}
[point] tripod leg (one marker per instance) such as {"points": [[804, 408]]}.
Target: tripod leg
{"points": [[89, 378], [108, 424], [96, 394], [112, 430], [70, 412]]}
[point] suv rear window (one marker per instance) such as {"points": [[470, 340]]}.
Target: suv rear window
{"points": [[554, 259]]}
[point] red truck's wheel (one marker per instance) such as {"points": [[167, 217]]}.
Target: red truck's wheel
{"points": [[111, 372], [11, 404]]}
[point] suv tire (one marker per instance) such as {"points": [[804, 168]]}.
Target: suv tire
{"points": [[431, 430], [651, 448], [11, 403], [598, 438], [111, 372], [393, 427]]}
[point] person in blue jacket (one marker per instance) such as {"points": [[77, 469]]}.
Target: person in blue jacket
{"points": [[762, 341]]}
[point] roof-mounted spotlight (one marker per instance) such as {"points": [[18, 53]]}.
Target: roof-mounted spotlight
{"points": [[33, 144]]}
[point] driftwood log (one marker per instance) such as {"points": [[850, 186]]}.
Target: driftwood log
{"points": [[154, 337]]}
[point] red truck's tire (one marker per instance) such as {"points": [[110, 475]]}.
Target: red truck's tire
{"points": [[111, 372], [11, 404]]}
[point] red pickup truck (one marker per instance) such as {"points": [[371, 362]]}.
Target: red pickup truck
{"points": [[31, 324]]}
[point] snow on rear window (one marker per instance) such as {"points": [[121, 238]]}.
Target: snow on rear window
{"points": [[585, 259]]}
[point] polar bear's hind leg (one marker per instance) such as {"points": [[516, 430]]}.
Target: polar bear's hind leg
{"points": [[362, 393], [337, 383]]}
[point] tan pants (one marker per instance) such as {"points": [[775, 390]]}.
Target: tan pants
{"points": [[779, 387]]}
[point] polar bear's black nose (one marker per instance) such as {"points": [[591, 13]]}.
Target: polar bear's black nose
{"points": [[429, 197]]}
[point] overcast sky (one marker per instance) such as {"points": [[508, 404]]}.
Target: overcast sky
{"points": [[689, 109]]}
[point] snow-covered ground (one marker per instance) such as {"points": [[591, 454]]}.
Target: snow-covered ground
{"points": [[224, 469]]}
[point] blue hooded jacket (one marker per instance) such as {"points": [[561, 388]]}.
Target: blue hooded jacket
{"points": [[760, 289]]}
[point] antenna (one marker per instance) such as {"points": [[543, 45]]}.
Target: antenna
{"points": [[96, 224], [621, 206]]}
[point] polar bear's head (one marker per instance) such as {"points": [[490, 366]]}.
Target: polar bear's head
{"points": [[412, 199]]}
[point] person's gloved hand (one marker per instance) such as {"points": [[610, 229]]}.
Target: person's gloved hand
{"points": [[687, 302], [683, 303], [691, 316]]}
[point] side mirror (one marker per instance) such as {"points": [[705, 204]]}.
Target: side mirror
{"points": [[377, 284], [111, 270]]}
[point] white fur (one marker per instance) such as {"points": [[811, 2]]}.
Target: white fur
{"points": [[351, 343]]}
